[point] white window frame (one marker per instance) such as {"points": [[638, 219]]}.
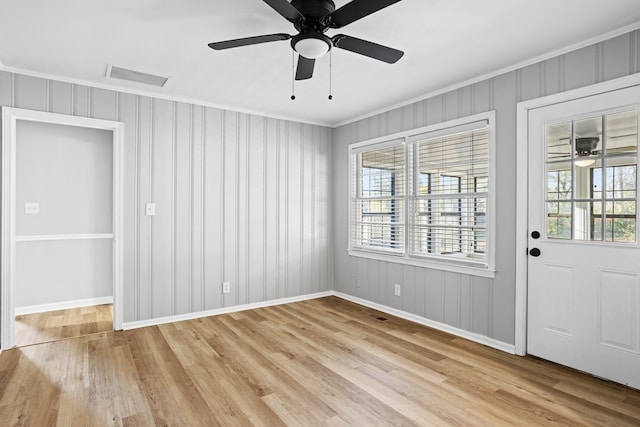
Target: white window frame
{"points": [[485, 269]]}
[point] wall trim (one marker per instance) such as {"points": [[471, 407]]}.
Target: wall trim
{"points": [[50, 237], [225, 310], [522, 188], [517, 66], [63, 305], [471, 336], [151, 94]]}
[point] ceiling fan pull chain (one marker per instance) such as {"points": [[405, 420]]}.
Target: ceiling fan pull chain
{"points": [[330, 67], [293, 75]]}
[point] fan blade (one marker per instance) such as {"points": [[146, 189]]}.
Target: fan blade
{"points": [[284, 8], [627, 149], [366, 48], [247, 41], [355, 10], [305, 68]]}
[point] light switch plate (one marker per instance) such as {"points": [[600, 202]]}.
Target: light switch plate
{"points": [[150, 209], [32, 208]]}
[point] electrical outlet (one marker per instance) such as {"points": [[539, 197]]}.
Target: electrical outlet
{"points": [[226, 287], [396, 290]]}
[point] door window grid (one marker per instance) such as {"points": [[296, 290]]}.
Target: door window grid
{"points": [[576, 205]]}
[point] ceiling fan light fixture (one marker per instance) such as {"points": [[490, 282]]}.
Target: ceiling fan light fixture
{"points": [[311, 45]]}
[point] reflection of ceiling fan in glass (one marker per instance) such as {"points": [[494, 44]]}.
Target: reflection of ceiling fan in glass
{"points": [[586, 148]]}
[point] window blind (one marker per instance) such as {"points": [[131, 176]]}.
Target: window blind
{"points": [[449, 197], [379, 177]]}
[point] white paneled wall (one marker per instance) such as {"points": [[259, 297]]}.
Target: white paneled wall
{"points": [[474, 304], [239, 198]]}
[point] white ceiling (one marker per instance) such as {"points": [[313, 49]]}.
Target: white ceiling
{"points": [[446, 42]]}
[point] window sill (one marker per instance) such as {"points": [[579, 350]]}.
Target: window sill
{"points": [[451, 266]]}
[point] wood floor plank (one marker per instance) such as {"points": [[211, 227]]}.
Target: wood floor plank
{"points": [[49, 326], [319, 362]]}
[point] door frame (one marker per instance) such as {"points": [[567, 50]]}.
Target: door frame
{"points": [[522, 188], [10, 117]]}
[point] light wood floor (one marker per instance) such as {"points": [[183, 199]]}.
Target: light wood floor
{"points": [[55, 325], [320, 362]]}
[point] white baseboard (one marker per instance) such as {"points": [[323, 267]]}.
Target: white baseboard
{"points": [[217, 311], [64, 305], [471, 336]]}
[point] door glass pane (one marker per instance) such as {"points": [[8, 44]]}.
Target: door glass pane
{"points": [[588, 179], [559, 220], [559, 181], [620, 224], [621, 178], [559, 141], [591, 190], [622, 133], [587, 138], [587, 221]]}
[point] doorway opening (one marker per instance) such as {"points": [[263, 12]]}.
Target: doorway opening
{"points": [[64, 249]]}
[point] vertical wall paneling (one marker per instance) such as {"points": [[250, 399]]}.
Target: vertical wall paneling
{"points": [[30, 93], [408, 289], [230, 144], [271, 247], [6, 89], [60, 97], [616, 49], [182, 205], [505, 99], [292, 210], [580, 67], [104, 104], [451, 106], [435, 106], [238, 197], [475, 304], [213, 134], [283, 211], [256, 225], [434, 295], [145, 189], [81, 100], [465, 314], [128, 113], [196, 188]]}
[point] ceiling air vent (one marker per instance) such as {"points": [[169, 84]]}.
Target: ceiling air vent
{"points": [[136, 76]]}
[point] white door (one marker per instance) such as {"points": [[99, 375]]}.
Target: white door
{"points": [[584, 256]]}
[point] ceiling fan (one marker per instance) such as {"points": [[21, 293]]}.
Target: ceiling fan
{"points": [[312, 18]]}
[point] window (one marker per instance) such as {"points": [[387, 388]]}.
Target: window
{"points": [[378, 204], [423, 197]]}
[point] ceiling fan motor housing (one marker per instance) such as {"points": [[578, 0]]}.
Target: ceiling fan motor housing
{"points": [[315, 13], [586, 145], [312, 27]]}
